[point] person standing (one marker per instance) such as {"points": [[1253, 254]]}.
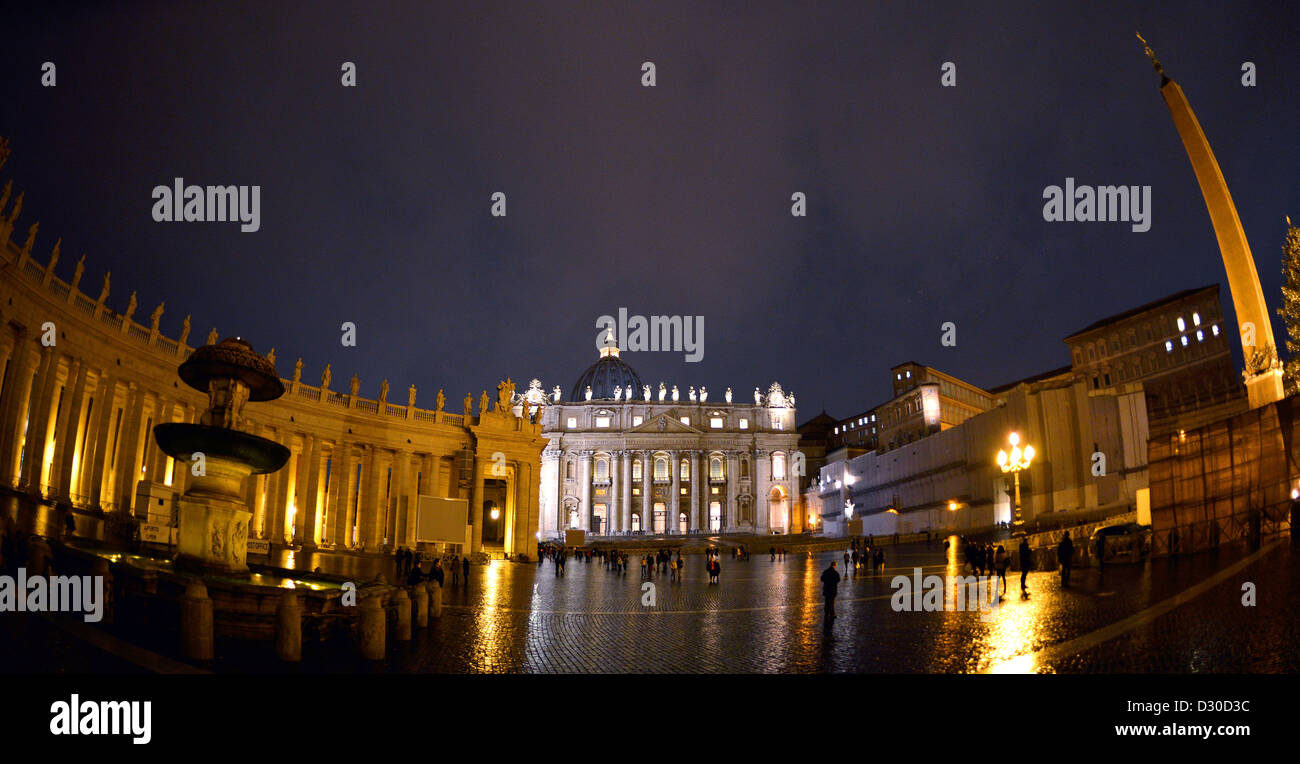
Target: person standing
{"points": [[464, 568], [1026, 561], [1101, 553], [1065, 554], [830, 586], [1001, 560], [436, 573]]}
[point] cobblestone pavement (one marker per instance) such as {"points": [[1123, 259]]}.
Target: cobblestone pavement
{"points": [[767, 617]]}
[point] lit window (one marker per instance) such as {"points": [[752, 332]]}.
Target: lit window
{"points": [[1169, 346], [573, 423], [716, 422], [1196, 319], [744, 425], [778, 466], [909, 374], [715, 490], [661, 469], [686, 420], [777, 425], [602, 421], [1200, 336], [1215, 330], [1181, 324], [1184, 340], [636, 421], [898, 376]]}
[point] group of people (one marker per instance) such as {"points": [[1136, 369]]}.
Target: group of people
{"points": [[663, 561], [713, 567], [861, 556], [777, 552]]}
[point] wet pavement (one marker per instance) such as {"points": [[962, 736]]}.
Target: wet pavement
{"points": [[767, 617], [1165, 616]]}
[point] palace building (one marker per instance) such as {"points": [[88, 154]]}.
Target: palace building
{"points": [[625, 458]]}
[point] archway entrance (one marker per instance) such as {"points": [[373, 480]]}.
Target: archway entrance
{"points": [[661, 522], [636, 522], [778, 515]]}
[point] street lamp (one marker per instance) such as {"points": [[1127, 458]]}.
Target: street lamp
{"points": [[1014, 462]]}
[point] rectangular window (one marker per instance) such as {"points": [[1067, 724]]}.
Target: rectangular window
{"points": [[602, 421], [573, 423], [636, 421], [715, 490], [716, 422], [686, 421], [744, 425]]}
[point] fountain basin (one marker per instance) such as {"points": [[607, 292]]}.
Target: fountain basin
{"points": [[180, 440]]}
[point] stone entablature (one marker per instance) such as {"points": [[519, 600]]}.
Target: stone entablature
{"points": [[65, 353]]}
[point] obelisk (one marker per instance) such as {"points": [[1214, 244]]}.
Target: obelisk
{"points": [[1263, 371]]}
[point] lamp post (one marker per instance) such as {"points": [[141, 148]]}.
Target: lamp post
{"points": [[1014, 462]]}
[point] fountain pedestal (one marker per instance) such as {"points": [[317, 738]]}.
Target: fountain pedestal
{"points": [[214, 520]]}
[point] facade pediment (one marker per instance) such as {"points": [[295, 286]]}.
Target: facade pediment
{"points": [[666, 424]]}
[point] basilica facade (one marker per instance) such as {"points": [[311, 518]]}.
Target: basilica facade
{"points": [[624, 458]]}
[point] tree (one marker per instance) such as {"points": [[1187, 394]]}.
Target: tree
{"points": [[1290, 310]]}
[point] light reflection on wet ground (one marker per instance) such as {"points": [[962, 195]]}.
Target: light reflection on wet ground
{"points": [[767, 617]]}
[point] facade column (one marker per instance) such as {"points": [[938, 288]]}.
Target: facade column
{"points": [[628, 456], [674, 505], [731, 512], [615, 503], [561, 520], [697, 520], [762, 484], [584, 491], [647, 492]]}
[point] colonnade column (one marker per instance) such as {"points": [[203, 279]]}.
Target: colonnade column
{"points": [[67, 441], [127, 466], [38, 429], [309, 508], [476, 507], [369, 518], [18, 390], [103, 439], [647, 504]]}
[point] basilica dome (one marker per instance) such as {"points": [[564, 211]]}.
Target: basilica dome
{"points": [[606, 374]]}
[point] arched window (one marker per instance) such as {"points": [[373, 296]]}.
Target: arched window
{"points": [[686, 470], [636, 470], [715, 468], [568, 470], [778, 466], [602, 469], [744, 466], [661, 468]]}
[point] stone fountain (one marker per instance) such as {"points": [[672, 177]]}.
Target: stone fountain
{"points": [[214, 519]]}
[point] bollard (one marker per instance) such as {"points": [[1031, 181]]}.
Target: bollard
{"points": [[420, 606], [371, 628], [99, 568], [196, 622], [402, 604], [288, 628], [435, 599]]}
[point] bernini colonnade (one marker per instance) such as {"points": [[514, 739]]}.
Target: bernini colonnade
{"points": [[83, 386]]}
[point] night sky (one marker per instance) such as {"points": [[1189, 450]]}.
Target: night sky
{"points": [[924, 202]]}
